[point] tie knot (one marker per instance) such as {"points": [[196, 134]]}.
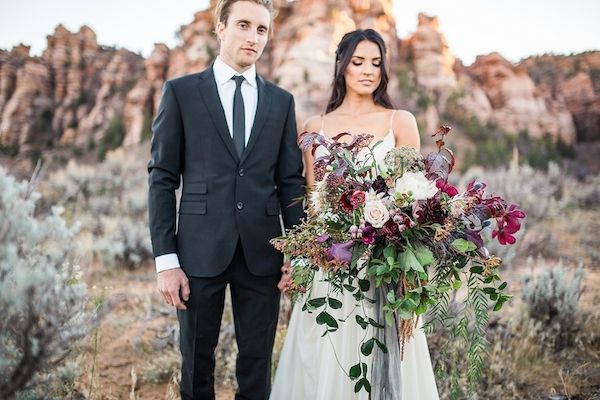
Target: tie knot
{"points": [[238, 79]]}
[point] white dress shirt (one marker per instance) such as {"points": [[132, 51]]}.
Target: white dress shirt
{"points": [[226, 89]]}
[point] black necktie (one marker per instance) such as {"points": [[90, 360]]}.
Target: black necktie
{"points": [[239, 116]]}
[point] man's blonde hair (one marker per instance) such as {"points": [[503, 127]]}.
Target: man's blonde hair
{"points": [[223, 9]]}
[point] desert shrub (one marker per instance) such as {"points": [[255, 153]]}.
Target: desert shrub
{"points": [[113, 137], [109, 201], [41, 298], [551, 298], [542, 195]]}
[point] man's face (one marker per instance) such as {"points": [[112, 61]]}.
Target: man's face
{"points": [[245, 35]]}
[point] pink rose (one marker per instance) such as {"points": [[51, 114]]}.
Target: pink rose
{"points": [[376, 213]]}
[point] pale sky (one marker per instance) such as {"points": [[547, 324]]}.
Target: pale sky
{"points": [[515, 28]]}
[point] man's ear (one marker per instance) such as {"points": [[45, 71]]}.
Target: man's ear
{"points": [[220, 29]]}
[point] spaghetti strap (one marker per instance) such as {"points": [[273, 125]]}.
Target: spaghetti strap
{"points": [[322, 124], [392, 121]]}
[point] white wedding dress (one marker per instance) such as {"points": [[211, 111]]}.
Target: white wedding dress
{"points": [[315, 367]]}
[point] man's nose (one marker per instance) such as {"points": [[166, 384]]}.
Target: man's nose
{"points": [[252, 37]]}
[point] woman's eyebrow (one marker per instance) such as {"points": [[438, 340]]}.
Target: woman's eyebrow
{"points": [[362, 58]]}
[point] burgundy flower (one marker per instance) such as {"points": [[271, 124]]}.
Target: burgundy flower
{"points": [[508, 224], [341, 252], [345, 202], [431, 210], [335, 179], [476, 189], [495, 205], [357, 198], [368, 235], [390, 230], [446, 188], [503, 236], [319, 167], [379, 185]]}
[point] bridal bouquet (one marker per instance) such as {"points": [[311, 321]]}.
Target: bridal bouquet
{"points": [[401, 227]]}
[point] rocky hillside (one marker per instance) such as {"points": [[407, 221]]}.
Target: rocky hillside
{"points": [[85, 95]]}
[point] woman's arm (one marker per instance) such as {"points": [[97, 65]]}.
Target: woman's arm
{"points": [[313, 124], [406, 132]]}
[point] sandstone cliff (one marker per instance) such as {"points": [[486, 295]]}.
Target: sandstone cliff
{"points": [[80, 93]]}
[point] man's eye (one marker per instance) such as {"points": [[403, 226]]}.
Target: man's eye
{"points": [[262, 31], [243, 25]]}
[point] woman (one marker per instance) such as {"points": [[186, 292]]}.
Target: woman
{"points": [[312, 367]]}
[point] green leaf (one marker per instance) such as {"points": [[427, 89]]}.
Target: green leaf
{"points": [[503, 286], [349, 288], [361, 321], [408, 261], [422, 308], [355, 371], [476, 269], [362, 383], [367, 347], [388, 252], [424, 256], [364, 284], [391, 296], [334, 303], [326, 318], [375, 323], [389, 318], [489, 290], [381, 346], [463, 246], [316, 302]]}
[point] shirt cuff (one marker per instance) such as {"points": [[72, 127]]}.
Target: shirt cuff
{"points": [[166, 261]]}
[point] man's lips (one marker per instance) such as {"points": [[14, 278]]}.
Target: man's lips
{"points": [[248, 49]]}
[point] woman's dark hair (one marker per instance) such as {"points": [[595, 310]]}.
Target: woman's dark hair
{"points": [[343, 55]]}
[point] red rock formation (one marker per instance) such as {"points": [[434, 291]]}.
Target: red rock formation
{"points": [[73, 92], [68, 95]]}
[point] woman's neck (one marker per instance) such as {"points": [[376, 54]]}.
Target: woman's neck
{"points": [[355, 104]]}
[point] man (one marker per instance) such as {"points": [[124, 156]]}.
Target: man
{"points": [[231, 136]]}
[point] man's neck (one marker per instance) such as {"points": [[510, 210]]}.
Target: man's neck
{"points": [[237, 68]]}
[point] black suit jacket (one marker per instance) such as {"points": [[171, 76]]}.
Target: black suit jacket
{"points": [[224, 197]]}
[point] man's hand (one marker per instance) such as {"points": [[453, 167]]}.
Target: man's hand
{"points": [[286, 276], [169, 283]]}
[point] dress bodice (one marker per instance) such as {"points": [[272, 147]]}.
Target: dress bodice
{"points": [[377, 149]]}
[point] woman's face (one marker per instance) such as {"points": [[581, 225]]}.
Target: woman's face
{"points": [[363, 73]]}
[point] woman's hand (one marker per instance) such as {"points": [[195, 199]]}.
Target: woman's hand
{"points": [[286, 277]]}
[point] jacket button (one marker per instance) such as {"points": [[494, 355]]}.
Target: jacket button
{"points": [[241, 172], [240, 205]]}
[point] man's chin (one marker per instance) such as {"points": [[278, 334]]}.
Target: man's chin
{"points": [[247, 61]]}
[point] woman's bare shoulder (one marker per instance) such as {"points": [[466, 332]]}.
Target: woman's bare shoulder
{"points": [[406, 129], [312, 124]]}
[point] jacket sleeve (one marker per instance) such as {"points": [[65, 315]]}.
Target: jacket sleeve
{"points": [[164, 169], [291, 185]]}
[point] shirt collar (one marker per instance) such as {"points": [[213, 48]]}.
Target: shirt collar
{"points": [[224, 72]]}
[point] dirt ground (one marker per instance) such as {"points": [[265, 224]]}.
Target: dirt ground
{"points": [[133, 354]]}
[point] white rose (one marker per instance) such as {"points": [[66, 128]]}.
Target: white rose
{"points": [[417, 184], [376, 213]]}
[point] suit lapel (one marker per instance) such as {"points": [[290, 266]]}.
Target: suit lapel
{"points": [[208, 91], [264, 102]]}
